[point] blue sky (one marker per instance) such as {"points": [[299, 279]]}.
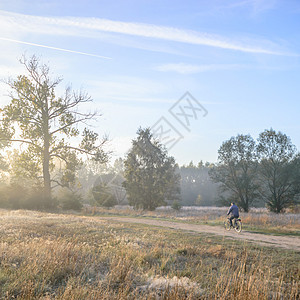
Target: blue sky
{"points": [[239, 59]]}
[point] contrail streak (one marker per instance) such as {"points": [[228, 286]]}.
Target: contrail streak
{"points": [[54, 48]]}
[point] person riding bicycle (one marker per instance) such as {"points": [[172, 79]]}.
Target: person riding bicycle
{"points": [[234, 211]]}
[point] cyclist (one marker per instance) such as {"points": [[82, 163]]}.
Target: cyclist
{"points": [[234, 211]]}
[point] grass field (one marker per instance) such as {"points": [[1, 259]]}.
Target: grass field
{"points": [[66, 256]]}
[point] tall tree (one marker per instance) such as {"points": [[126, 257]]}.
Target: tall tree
{"points": [[36, 117], [151, 175], [276, 155], [296, 179], [296, 174], [236, 170]]}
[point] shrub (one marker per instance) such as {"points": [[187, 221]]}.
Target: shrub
{"points": [[13, 196], [103, 196], [69, 200], [176, 205]]}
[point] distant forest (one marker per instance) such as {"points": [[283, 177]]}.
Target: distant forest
{"points": [[196, 186]]}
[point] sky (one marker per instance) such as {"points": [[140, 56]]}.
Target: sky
{"points": [[195, 72]]}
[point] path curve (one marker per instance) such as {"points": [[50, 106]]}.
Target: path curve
{"points": [[286, 242]]}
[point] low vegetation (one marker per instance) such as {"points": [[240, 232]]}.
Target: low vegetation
{"points": [[52, 256]]}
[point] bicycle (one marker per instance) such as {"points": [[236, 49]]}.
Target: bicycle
{"points": [[237, 224]]}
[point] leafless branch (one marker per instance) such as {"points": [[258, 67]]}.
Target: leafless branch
{"points": [[21, 141], [88, 117]]}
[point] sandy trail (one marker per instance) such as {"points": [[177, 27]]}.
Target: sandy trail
{"points": [[286, 242]]}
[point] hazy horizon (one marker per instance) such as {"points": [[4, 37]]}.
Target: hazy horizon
{"points": [[239, 61]]}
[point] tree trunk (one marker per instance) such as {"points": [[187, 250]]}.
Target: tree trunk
{"points": [[46, 157], [46, 174]]}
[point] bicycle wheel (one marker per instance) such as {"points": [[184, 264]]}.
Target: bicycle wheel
{"points": [[227, 224], [238, 226]]}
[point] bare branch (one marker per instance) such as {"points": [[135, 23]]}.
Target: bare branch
{"points": [[58, 184], [39, 74], [60, 157], [69, 103], [21, 141], [88, 117]]}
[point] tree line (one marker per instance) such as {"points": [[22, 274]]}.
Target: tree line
{"points": [[49, 164], [267, 170]]}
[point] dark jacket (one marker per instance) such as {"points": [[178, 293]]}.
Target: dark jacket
{"points": [[233, 210]]}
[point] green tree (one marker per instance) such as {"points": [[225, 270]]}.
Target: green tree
{"points": [[103, 195], [45, 123], [276, 155], [236, 170], [295, 166], [151, 175], [296, 174]]}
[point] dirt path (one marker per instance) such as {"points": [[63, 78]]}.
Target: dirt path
{"points": [[285, 242]]}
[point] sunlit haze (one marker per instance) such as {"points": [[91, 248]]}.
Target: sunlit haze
{"points": [[238, 60]]}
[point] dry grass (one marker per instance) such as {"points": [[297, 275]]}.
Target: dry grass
{"points": [[48, 256]]}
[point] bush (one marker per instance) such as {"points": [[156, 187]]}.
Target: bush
{"points": [[103, 196], [24, 196], [176, 205], [13, 196], [69, 200], [4, 199], [34, 200]]}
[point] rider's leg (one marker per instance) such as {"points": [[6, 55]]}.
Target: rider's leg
{"points": [[235, 221], [230, 219]]}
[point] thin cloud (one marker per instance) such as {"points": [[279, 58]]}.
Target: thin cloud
{"points": [[186, 69], [53, 48], [257, 6], [67, 25]]}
